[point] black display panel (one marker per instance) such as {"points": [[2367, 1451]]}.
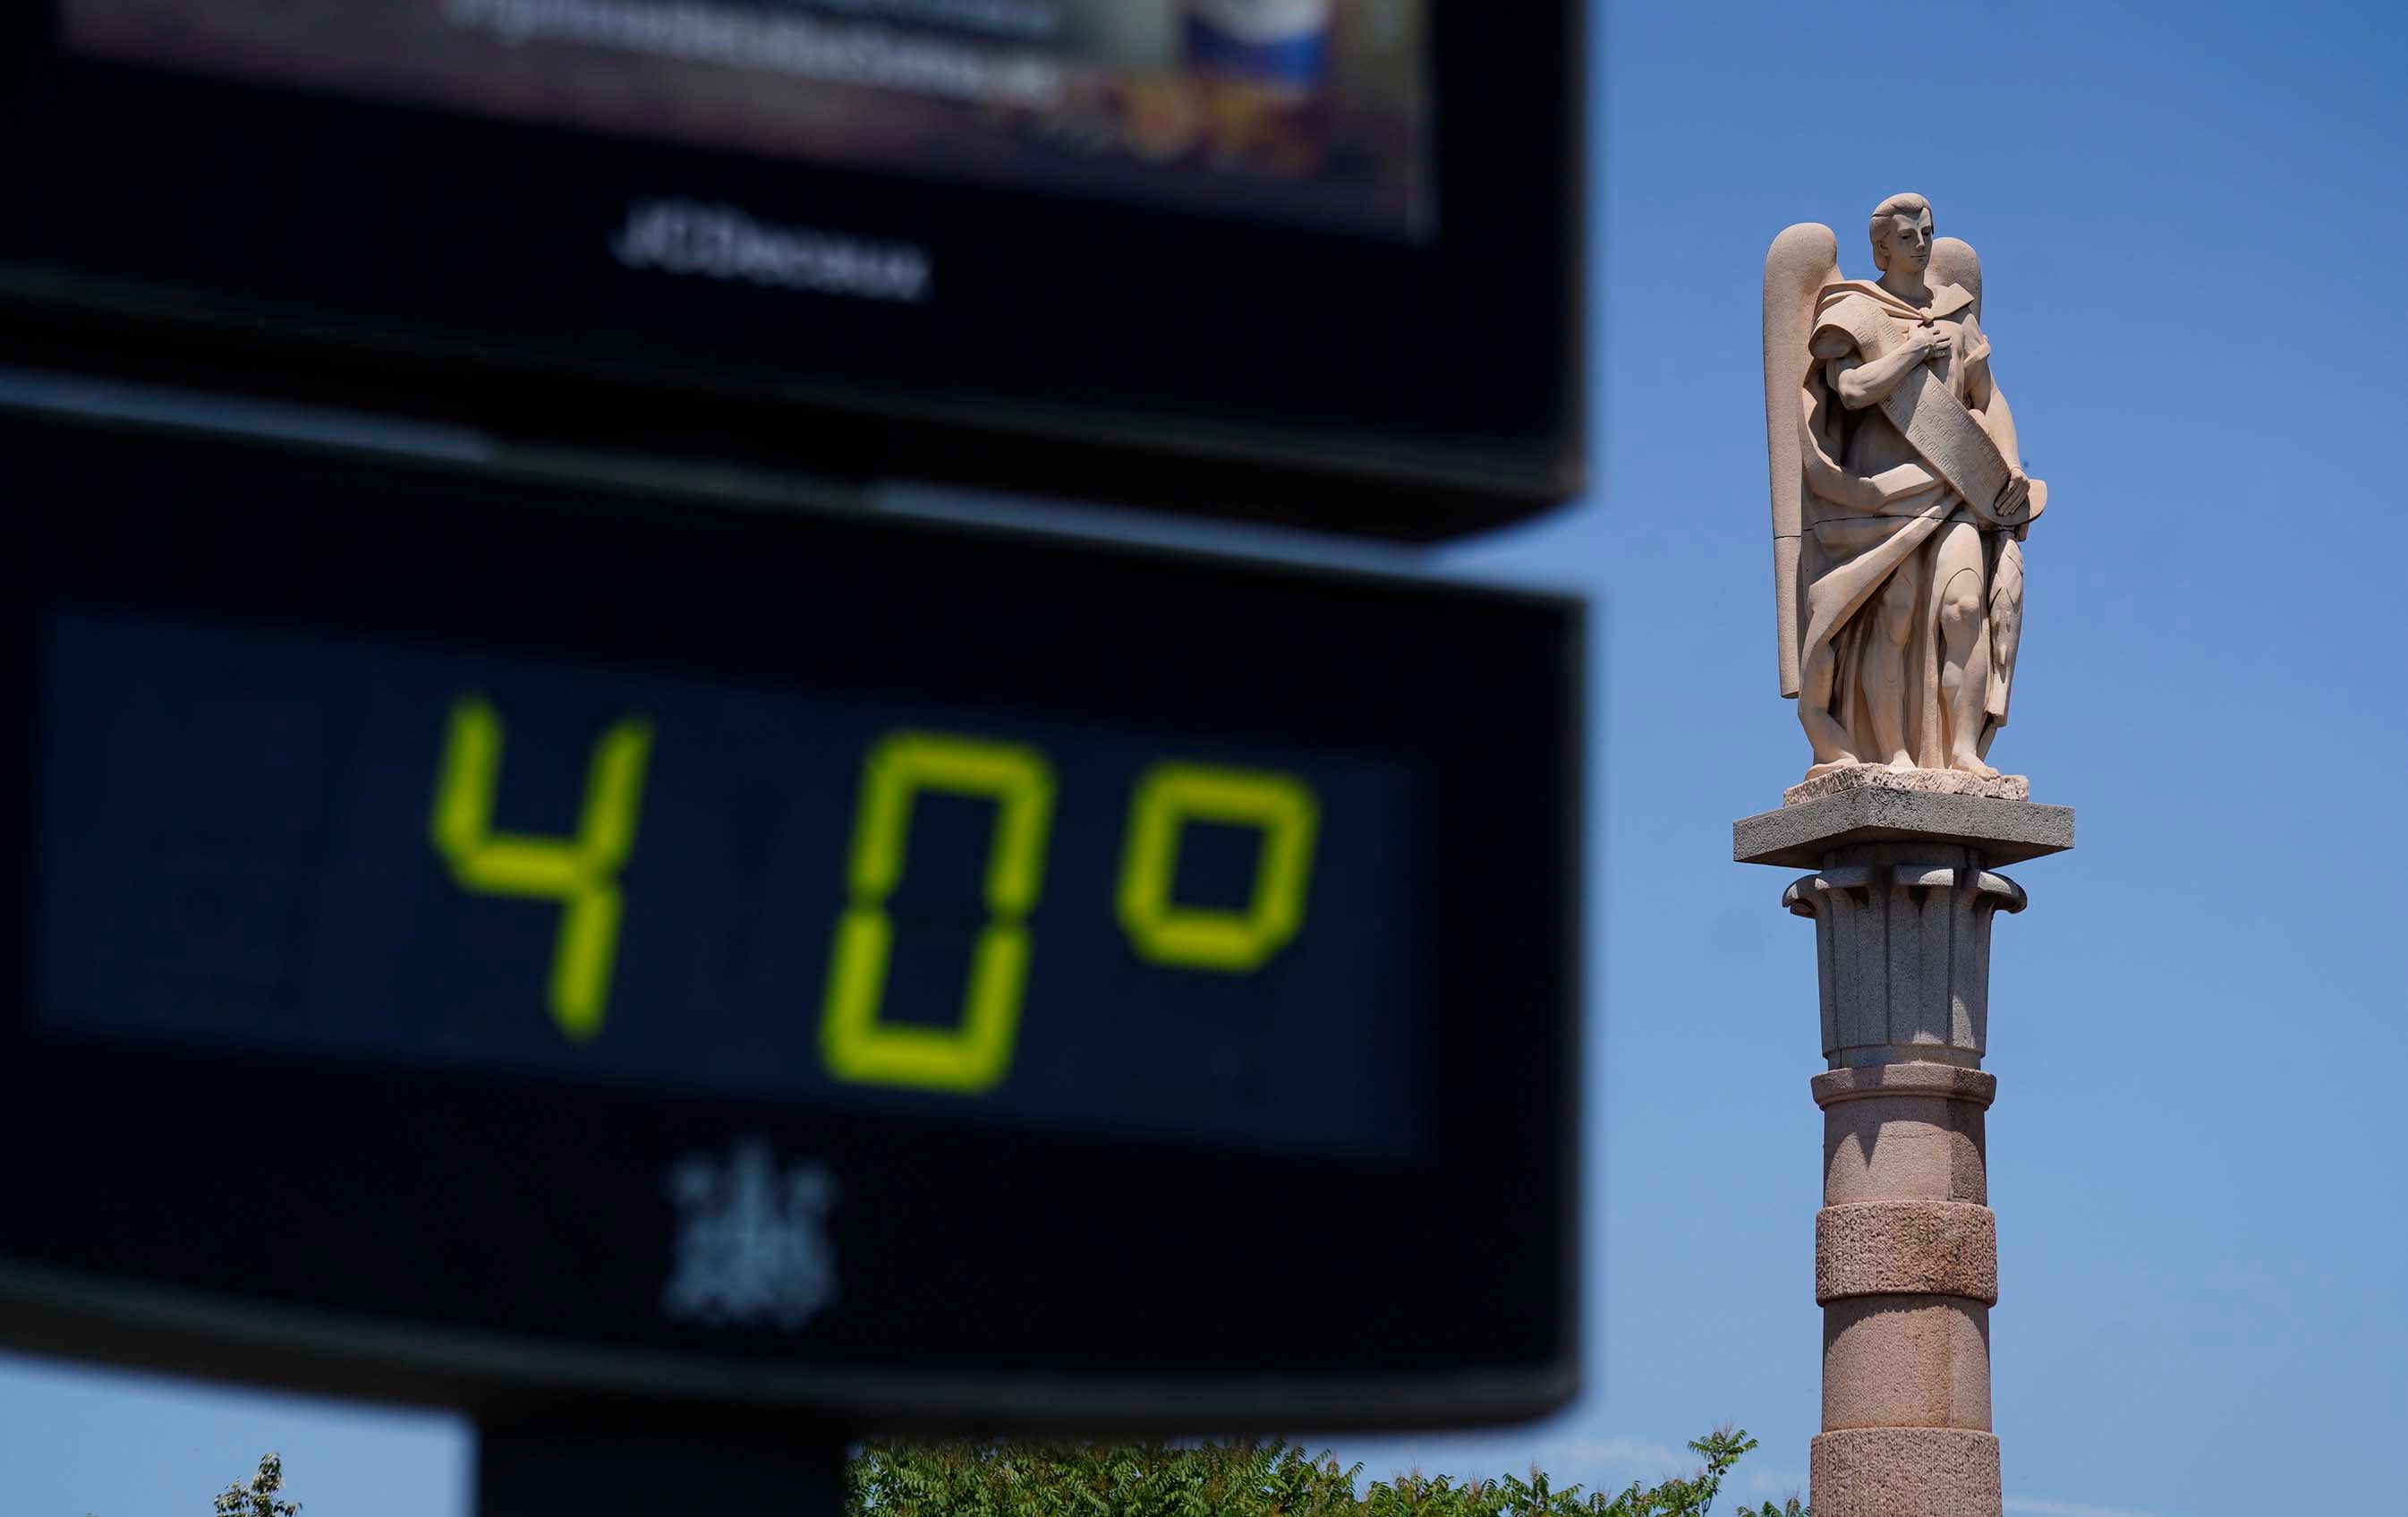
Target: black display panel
{"points": [[314, 845], [492, 238], [493, 941]]}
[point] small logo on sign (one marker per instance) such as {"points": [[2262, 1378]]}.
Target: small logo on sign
{"points": [[721, 242], [753, 1248]]}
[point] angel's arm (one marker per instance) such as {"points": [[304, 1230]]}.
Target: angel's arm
{"points": [[1988, 403], [1860, 384], [1869, 494]]}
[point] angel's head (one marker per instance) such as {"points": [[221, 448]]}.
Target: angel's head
{"points": [[1901, 234]]}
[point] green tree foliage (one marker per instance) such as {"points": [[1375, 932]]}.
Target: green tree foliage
{"points": [[1242, 1480], [1256, 1479], [258, 1498]]}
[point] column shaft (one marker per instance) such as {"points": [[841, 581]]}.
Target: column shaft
{"points": [[1906, 1259], [1905, 1247]]}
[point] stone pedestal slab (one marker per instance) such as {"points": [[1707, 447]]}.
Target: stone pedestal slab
{"points": [[2003, 832]]}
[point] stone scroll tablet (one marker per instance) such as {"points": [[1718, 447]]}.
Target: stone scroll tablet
{"points": [[1945, 433]]}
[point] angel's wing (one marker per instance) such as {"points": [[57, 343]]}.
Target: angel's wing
{"points": [[1800, 261], [1955, 261]]}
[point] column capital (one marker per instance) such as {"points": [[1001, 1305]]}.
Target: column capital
{"points": [[1903, 948]]}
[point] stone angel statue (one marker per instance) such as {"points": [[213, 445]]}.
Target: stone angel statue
{"points": [[1900, 506]]}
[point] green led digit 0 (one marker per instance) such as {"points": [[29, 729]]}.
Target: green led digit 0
{"points": [[582, 873], [1168, 797], [974, 1055]]}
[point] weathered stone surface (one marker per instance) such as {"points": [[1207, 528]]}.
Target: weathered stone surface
{"points": [[1904, 1148], [1906, 1361], [1889, 1248], [1906, 1472], [2005, 787], [1804, 835], [1905, 1132]]}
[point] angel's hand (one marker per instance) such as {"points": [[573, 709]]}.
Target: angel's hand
{"points": [[1933, 342], [2015, 499]]}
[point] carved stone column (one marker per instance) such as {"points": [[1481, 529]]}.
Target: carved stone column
{"points": [[1903, 892]]}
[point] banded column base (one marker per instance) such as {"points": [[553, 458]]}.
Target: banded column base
{"points": [[1906, 1472]]}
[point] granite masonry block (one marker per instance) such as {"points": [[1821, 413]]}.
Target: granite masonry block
{"points": [[1875, 1248], [1906, 1472]]}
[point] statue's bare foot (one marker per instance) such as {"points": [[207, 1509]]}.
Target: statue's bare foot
{"points": [[1968, 764], [1901, 760], [1845, 761]]}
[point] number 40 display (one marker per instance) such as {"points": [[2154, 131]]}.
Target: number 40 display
{"points": [[582, 872]]}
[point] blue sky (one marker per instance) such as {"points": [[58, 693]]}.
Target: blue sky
{"points": [[2192, 217]]}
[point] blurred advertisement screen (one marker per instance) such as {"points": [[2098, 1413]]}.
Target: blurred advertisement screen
{"points": [[1303, 111]]}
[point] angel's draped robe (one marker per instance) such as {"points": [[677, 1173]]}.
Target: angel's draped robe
{"points": [[1849, 556]]}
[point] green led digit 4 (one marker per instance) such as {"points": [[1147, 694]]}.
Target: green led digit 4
{"points": [[1170, 796], [854, 1044], [582, 872]]}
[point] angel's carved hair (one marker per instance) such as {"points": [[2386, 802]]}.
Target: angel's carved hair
{"points": [[1897, 205]]}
